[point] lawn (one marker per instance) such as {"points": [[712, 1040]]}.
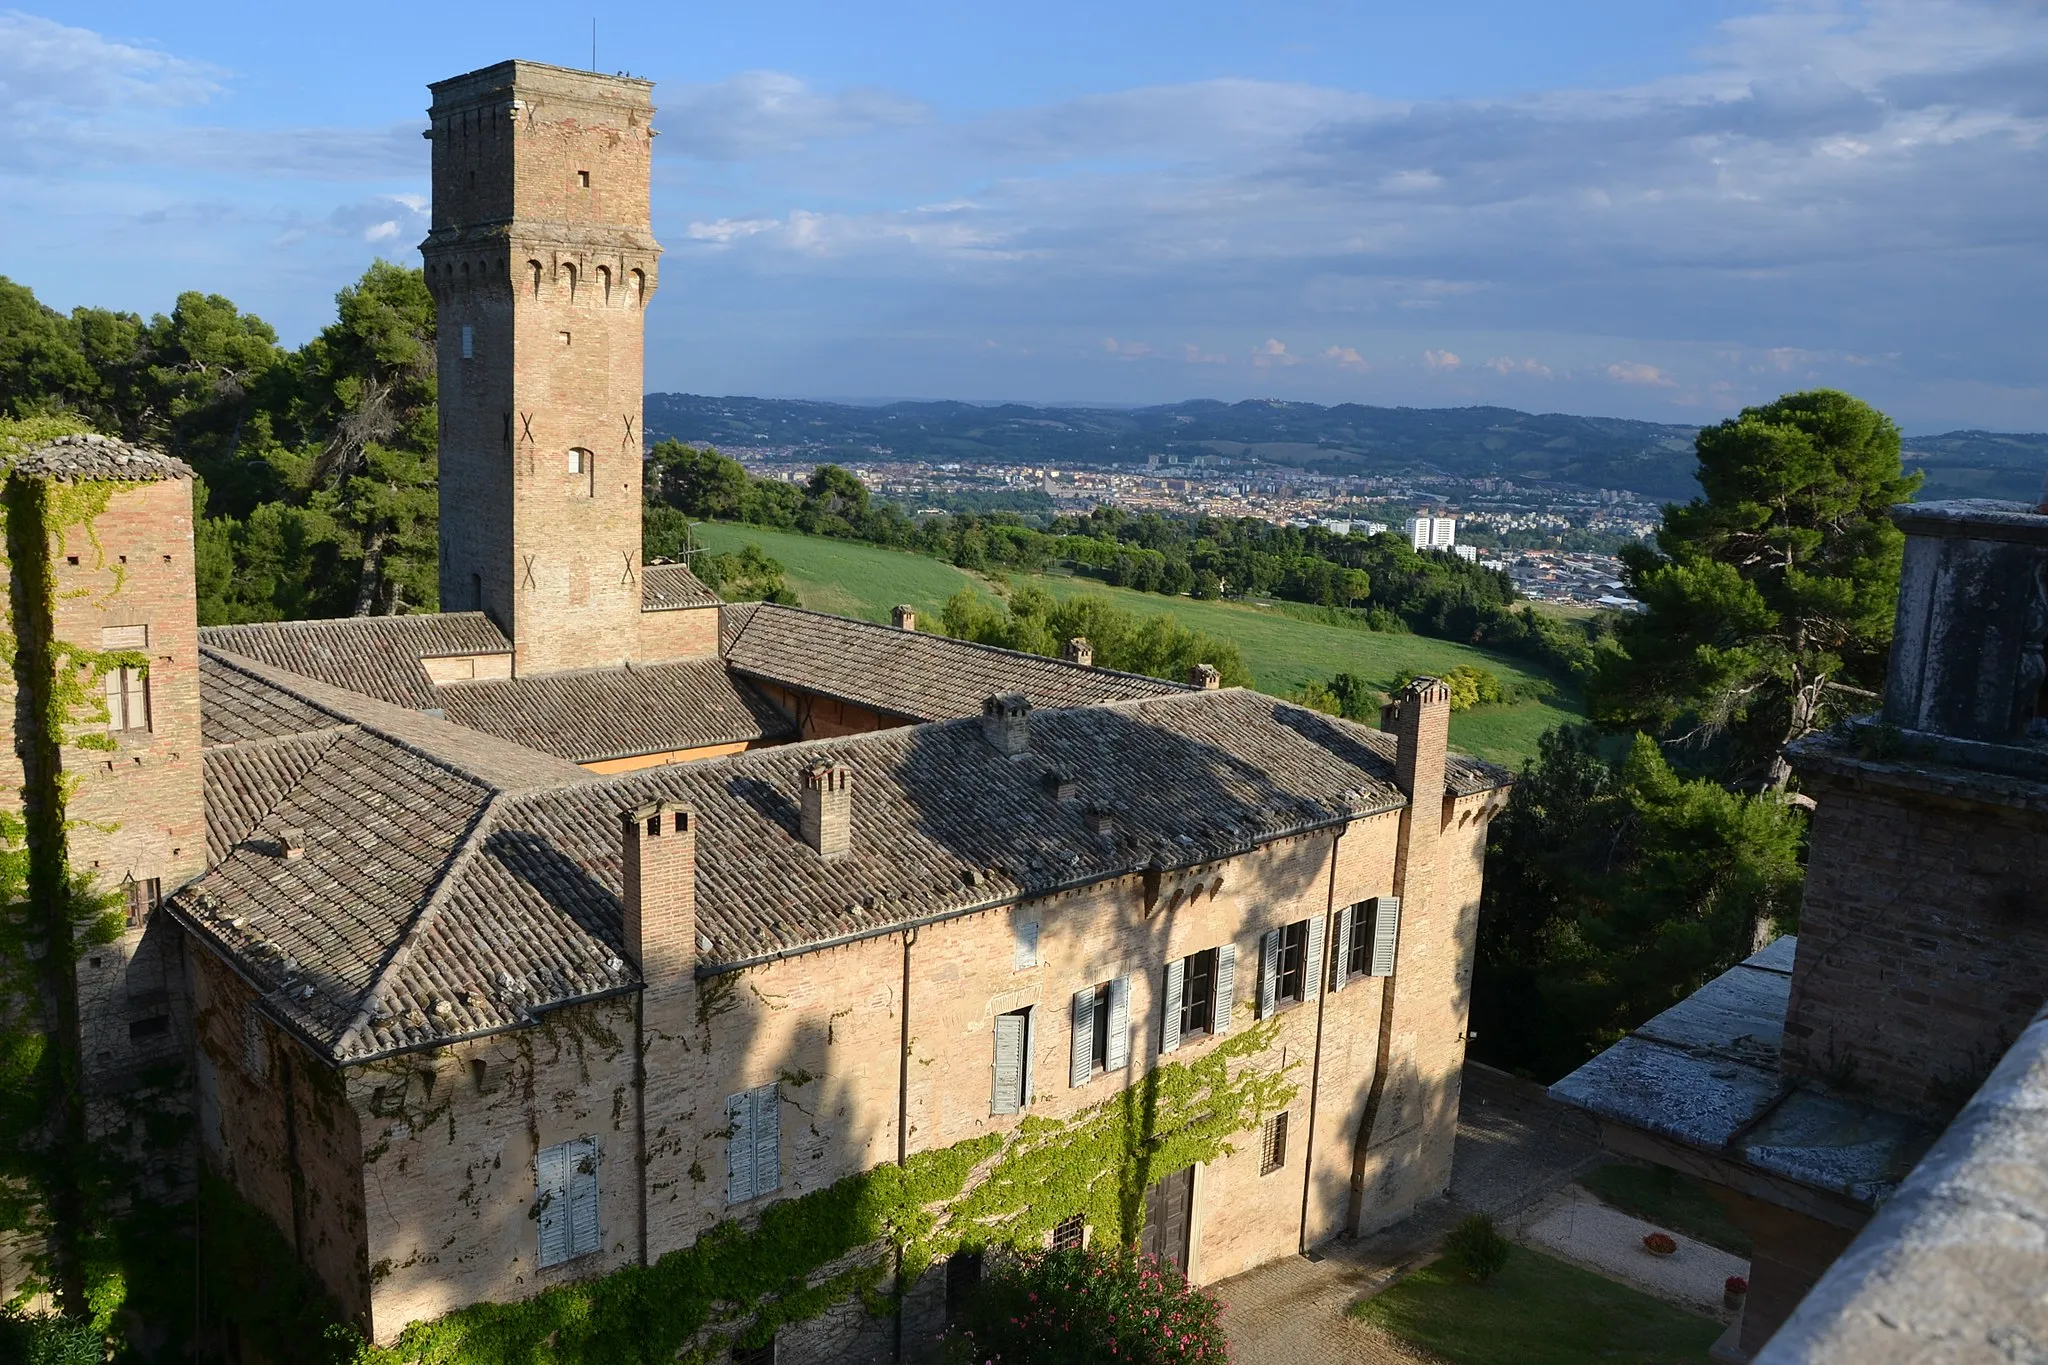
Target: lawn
{"points": [[1282, 650], [1668, 1199], [1538, 1311]]}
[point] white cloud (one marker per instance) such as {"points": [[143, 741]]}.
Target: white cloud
{"points": [[385, 231], [1273, 352], [1347, 356], [759, 113], [1636, 372], [48, 65], [1196, 355], [1529, 365], [1129, 349], [1441, 360]]}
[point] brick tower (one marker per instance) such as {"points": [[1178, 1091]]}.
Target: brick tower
{"points": [[540, 260]]}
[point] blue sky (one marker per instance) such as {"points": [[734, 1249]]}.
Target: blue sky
{"points": [[1629, 207]]}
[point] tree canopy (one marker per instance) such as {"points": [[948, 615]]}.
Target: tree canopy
{"points": [[1769, 598]]}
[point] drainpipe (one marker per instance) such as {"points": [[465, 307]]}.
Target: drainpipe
{"points": [[1315, 1071], [903, 1116]]}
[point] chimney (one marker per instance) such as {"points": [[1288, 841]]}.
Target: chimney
{"points": [[1205, 677], [291, 842], [1099, 819], [827, 817], [1006, 722], [1419, 718], [660, 845], [1079, 651], [1060, 787], [903, 617]]}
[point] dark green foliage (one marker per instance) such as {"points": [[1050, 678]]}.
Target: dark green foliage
{"points": [[747, 575], [1083, 1307], [1768, 593], [34, 1339], [1036, 623], [1476, 1249], [254, 1288], [1614, 888]]}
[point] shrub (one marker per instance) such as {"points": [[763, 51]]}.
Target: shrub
{"points": [[1476, 1248], [48, 1340], [1071, 1307]]}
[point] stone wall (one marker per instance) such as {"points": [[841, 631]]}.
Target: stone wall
{"points": [[1921, 955], [680, 633]]}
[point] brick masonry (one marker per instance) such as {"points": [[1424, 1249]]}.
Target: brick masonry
{"points": [[541, 260], [678, 633], [1921, 956]]}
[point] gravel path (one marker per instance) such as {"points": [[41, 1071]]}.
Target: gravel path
{"points": [[1576, 1226]]}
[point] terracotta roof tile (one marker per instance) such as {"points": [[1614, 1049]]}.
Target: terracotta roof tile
{"points": [[596, 714], [100, 459], [664, 587], [378, 656]]}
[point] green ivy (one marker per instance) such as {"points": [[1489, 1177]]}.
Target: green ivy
{"points": [[739, 1283]]}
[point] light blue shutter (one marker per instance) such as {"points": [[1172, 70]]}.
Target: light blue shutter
{"points": [[1386, 933], [1226, 987], [1312, 960], [1269, 972], [768, 1138], [739, 1148], [1119, 1051], [1340, 966], [551, 1177], [1169, 1028], [1006, 1093], [584, 1235], [1081, 1061]]}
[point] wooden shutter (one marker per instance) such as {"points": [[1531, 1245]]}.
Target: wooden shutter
{"points": [[1081, 1065], [1169, 1030], [1340, 964], [117, 712], [551, 1176], [135, 710], [1006, 1095], [1118, 1054], [1026, 954], [739, 1148], [1269, 972], [1312, 960], [582, 1210], [1226, 987], [768, 1138], [1386, 933]]}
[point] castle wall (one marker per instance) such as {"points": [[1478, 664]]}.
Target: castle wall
{"points": [[680, 633]]}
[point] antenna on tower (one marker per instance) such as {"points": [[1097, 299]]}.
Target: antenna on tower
{"points": [[593, 42]]}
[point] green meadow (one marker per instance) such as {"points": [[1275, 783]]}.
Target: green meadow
{"points": [[1282, 649]]}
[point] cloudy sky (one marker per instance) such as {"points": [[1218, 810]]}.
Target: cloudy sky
{"points": [[1655, 208]]}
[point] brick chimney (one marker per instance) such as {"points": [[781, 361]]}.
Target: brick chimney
{"points": [[1006, 722], [1060, 787], [827, 816], [903, 617], [660, 846], [1079, 651], [1205, 677], [1419, 718]]}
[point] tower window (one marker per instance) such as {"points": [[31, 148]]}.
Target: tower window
{"points": [[579, 461], [583, 179], [468, 342], [562, 337]]}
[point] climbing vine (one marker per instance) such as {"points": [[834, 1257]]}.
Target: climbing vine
{"points": [[739, 1283]]}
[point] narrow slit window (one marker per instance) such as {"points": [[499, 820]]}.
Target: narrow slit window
{"points": [[1273, 1144], [583, 180]]}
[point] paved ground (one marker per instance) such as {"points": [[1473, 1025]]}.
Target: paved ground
{"points": [[1578, 1227], [1515, 1148]]}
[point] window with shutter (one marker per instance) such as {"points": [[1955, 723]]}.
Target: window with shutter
{"points": [[1385, 912], [1174, 995], [1006, 1094], [1340, 952], [1226, 988], [1116, 1042], [1269, 973], [767, 1138], [567, 1197], [584, 1235], [1312, 958], [739, 1147], [1026, 954], [1083, 1054], [1358, 960], [1198, 994]]}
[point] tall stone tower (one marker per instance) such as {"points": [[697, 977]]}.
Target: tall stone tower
{"points": [[541, 260]]}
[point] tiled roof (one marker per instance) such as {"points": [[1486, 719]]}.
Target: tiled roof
{"points": [[429, 906], [378, 656], [664, 587], [236, 707], [910, 674], [100, 458], [597, 714]]}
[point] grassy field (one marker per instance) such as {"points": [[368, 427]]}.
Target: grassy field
{"points": [[1538, 1311], [1283, 651]]}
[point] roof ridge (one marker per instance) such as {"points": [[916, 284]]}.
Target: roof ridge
{"points": [[267, 741], [969, 644], [445, 882], [333, 735], [363, 712]]}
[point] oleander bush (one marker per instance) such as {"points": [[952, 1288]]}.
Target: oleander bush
{"points": [[1084, 1307]]}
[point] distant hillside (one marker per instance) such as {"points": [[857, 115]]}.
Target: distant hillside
{"points": [[1651, 458]]}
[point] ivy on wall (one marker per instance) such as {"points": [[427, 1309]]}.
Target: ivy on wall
{"points": [[741, 1282]]}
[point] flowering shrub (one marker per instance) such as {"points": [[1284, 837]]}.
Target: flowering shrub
{"points": [[1062, 1307], [1660, 1244]]}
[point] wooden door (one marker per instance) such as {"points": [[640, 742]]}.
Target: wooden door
{"points": [[1169, 1209]]}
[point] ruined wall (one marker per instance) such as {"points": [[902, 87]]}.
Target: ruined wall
{"points": [[1921, 952]]}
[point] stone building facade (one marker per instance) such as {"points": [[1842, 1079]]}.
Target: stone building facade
{"points": [[516, 945]]}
